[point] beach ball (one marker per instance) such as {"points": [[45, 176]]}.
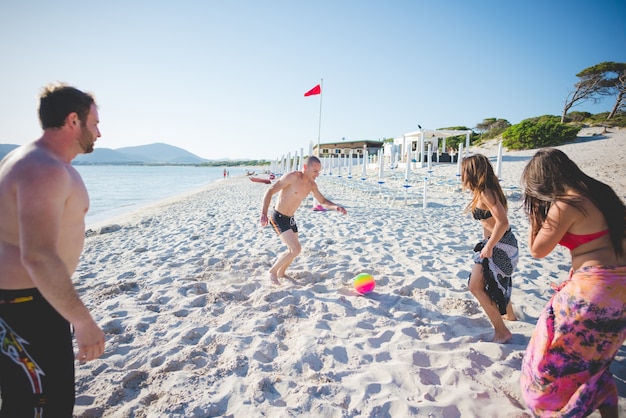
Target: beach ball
{"points": [[364, 283]]}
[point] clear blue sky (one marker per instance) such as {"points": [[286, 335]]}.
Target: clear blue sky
{"points": [[226, 79]]}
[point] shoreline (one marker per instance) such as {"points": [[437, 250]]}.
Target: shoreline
{"points": [[194, 327], [139, 211]]}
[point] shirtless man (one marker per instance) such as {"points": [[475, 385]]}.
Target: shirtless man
{"points": [[293, 188], [43, 202]]}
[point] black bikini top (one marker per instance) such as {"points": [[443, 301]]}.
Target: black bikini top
{"points": [[481, 214]]}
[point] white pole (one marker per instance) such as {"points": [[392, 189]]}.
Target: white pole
{"points": [[424, 193], [407, 172], [467, 143], [459, 160], [350, 165], [404, 150], [499, 161], [301, 158], [319, 128], [430, 156], [380, 166], [340, 164], [364, 169], [422, 149]]}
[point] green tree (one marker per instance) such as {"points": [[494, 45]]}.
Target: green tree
{"points": [[616, 85], [492, 127], [577, 116], [595, 82]]}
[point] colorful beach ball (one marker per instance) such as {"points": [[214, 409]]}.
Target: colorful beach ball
{"points": [[364, 283]]}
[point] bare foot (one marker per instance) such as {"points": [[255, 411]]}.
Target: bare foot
{"points": [[502, 339], [274, 279], [510, 314]]}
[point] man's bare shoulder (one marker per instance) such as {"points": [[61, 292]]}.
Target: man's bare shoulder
{"points": [[290, 178], [32, 163], [294, 175]]}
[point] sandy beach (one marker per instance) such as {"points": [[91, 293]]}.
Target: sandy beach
{"points": [[195, 329]]}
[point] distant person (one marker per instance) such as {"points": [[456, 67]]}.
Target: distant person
{"points": [[565, 371], [497, 253], [225, 173], [43, 203], [294, 187]]}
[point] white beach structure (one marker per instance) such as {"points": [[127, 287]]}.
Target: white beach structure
{"points": [[419, 140]]}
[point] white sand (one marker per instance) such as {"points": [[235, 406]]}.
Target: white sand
{"points": [[194, 328]]}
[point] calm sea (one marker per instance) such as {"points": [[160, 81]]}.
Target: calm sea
{"points": [[118, 189]]}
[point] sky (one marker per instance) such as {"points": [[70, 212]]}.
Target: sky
{"points": [[226, 79]]}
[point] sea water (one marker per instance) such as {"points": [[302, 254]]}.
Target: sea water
{"points": [[118, 189]]}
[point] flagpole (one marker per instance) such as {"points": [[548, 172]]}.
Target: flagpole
{"points": [[319, 128], [318, 90], [316, 205]]}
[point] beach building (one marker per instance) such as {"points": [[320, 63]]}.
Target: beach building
{"points": [[342, 149]]}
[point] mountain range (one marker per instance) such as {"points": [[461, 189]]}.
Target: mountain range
{"points": [[157, 153]]}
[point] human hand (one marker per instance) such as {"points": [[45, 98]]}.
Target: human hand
{"points": [[341, 209], [263, 220], [90, 340], [486, 252]]}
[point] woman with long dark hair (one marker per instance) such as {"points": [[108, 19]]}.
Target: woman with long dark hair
{"points": [[496, 254], [565, 371]]}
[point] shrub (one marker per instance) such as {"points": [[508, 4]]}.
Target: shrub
{"points": [[543, 131], [577, 116], [492, 127], [618, 120]]}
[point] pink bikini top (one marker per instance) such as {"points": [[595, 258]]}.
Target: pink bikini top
{"points": [[572, 241]]}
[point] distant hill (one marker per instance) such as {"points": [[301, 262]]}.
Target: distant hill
{"points": [[162, 153], [6, 148], [106, 156], [143, 154], [158, 153]]}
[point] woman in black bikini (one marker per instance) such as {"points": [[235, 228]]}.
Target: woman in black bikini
{"points": [[496, 254]]}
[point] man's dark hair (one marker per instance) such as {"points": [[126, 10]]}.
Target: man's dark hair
{"points": [[312, 159], [58, 101]]}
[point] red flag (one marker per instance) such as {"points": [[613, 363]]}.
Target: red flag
{"points": [[315, 90]]}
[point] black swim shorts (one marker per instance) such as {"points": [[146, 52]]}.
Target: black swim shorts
{"points": [[282, 223], [36, 357]]}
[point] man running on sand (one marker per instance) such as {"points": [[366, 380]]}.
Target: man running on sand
{"points": [[294, 187]]}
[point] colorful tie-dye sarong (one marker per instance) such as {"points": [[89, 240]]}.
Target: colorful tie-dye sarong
{"points": [[498, 269], [565, 371]]}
